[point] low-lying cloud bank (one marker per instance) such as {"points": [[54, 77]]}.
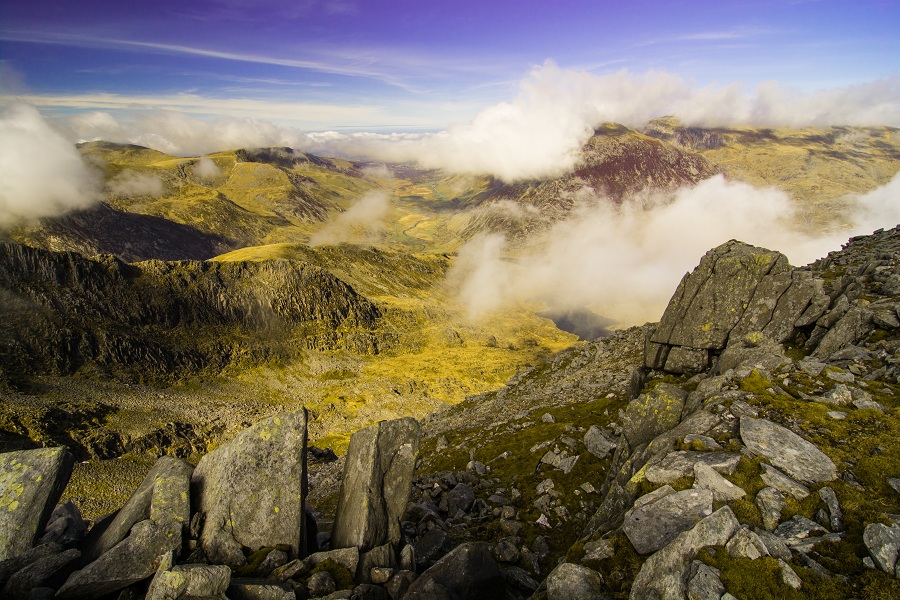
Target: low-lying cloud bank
{"points": [[536, 134], [624, 262], [362, 223], [41, 172]]}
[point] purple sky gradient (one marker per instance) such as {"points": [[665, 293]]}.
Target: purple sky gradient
{"points": [[408, 65]]}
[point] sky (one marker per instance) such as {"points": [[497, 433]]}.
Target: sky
{"points": [[412, 66]]}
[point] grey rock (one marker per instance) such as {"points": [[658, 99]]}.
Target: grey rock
{"points": [[476, 467], [710, 301], [786, 450], [133, 559], [894, 483], [811, 366], [789, 576], [259, 589], [346, 557], [376, 485], [753, 351], [460, 498], [31, 483], [469, 571], [381, 575], [548, 418], [746, 544], [321, 584], [675, 465], [431, 547], [775, 545], [274, 559], [505, 551], [852, 327], [380, 556], [883, 544], [798, 528], [707, 478], [569, 581], [837, 415], [37, 574], [599, 441], [664, 574], [652, 413], [835, 515], [652, 525], [599, 550], [519, 579], [704, 582], [163, 494], [11, 565], [251, 491], [772, 477], [686, 360], [839, 395], [770, 502], [368, 591], [65, 527], [191, 580], [836, 374], [704, 441], [399, 583], [408, 558]]}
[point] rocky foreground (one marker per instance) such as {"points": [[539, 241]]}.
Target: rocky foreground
{"points": [[744, 447]]}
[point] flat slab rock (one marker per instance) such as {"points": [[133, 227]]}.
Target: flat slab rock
{"points": [[31, 483], [676, 465], [650, 526], [786, 450], [251, 491], [665, 573]]}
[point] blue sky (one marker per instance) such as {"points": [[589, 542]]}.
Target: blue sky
{"points": [[411, 65]]}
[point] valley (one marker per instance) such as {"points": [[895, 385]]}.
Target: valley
{"points": [[205, 294]]}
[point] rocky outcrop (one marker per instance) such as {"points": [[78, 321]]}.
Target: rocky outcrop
{"points": [[161, 496], [63, 311], [251, 491], [469, 571], [31, 483], [663, 576], [376, 484], [738, 290]]}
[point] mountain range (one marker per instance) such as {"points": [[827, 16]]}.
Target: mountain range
{"points": [[203, 294]]}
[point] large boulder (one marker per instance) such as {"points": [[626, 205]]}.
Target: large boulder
{"points": [[653, 413], [376, 485], [31, 483], [469, 572], [786, 450], [664, 575], [569, 581], [709, 303], [162, 495], [134, 559], [251, 491]]}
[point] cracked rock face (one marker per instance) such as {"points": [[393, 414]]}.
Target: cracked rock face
{"points": [[31, 483], [800, 459], [251, 491], [736, 291], [377, 480]]}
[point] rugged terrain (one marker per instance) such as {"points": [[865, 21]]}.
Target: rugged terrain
{"points": [[189, 304]]}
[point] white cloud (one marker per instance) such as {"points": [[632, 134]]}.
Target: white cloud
{"points": [[42, 173], [879, 208], [132, 183], [207, 169], [539, 133], [625, 261], [362, 223]]}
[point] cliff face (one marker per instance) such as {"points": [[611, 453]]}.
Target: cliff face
{"points": [[62, 312]]}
